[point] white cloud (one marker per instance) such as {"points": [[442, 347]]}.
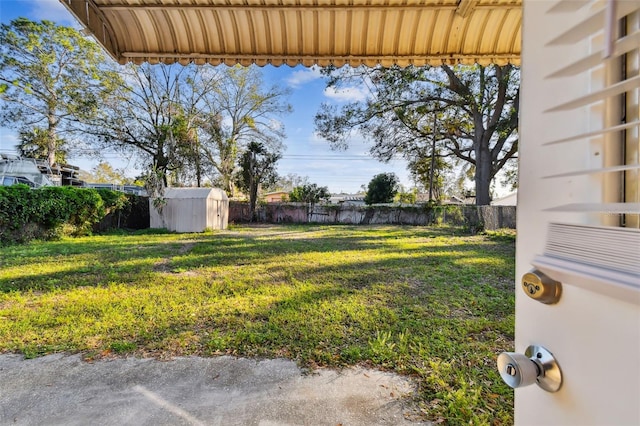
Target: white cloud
{"points": [[357, 144], [346, 94], [211, 72], [276, 125], [306, 75], [315, 139], [52, 10], [226, 121], [8, 140]]}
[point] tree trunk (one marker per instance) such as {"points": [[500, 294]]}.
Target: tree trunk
{"points": [[483, 176], [226, 185], [253, 186], [253, 198], [198, 170], [483, 159], [51, 152], [226, 172], [432, 166], [51, 141]]}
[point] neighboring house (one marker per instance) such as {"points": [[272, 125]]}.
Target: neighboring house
{"points": [[507, 200], [127, 189], [454, 199], [61, 174], [276, 197], [37, 172], [15, 169]]}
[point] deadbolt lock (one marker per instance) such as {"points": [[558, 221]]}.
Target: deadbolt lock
{"points": [[540, 287]]}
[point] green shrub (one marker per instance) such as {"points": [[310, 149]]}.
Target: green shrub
{"points": [[51, 212], [15, 203], [113, 200], [117, 208]]}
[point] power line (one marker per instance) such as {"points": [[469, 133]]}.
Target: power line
{"points": [[333, 157]]}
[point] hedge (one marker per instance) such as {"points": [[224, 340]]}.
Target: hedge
{"points": [[50, 212]]}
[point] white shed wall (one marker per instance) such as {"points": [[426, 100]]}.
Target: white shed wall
{"points": [[217, 214], [191, 210]]}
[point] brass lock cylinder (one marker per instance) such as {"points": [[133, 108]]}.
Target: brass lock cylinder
{"points": [[540, 287]]}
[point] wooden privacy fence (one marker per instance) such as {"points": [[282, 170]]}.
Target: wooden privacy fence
{"points": [[474, 217]]}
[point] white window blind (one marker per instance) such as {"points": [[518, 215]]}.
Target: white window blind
{"points": [[602, 259], [603, 256]]}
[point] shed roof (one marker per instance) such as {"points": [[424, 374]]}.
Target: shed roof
{"points": [[191, 193], [305, 32]]}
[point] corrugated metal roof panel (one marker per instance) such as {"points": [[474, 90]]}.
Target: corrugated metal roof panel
{"points": [[305, 32]]}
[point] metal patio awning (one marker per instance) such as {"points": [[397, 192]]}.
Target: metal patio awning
{"points": [[305, 32]]}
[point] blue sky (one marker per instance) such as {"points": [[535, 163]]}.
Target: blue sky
{"points": [[306, 153]]}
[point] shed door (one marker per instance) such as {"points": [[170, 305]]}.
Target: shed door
{"points": [[578, 206]]}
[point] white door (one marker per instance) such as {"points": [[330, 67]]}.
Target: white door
{"points": [[579, 156]]}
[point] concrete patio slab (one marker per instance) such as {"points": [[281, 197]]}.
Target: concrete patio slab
{"points": [[65, 390]]}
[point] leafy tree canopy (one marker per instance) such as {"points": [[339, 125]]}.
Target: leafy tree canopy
{"points": [[287, 183], [257, 167], [34, 144], [104, 172], [310, 193], [52, 79], [154, 116], [408, 197], [382, 188], [430, 174], [191, 122], [240, 109], [466, 113]]}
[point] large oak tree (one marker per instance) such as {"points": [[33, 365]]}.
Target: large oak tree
{"points": [[469, 113]]}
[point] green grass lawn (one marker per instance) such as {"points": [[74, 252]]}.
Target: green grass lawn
{"points": [[432, 303]]}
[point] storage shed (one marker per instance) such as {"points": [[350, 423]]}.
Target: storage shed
{"points": [[191, 210]]}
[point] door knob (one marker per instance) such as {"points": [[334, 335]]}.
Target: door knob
{"points": [[537, 365]]}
